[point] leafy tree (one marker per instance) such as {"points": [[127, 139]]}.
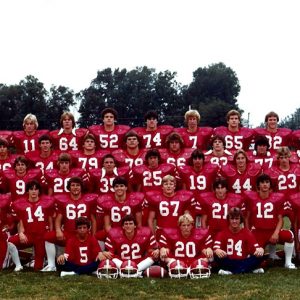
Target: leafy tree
{"points": [[292, 121]]}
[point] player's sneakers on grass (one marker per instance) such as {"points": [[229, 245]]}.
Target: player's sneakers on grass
{"points": [[290, 266], [224, 272], [258, 271], [18, 268], [30, 264], [49, 268], [64, 273]]}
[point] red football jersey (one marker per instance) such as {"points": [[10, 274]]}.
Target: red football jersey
{"points": [[218, 160], [8, 162], [185, 249], [196, 140], [178, 160], [116, 210], [82, 253], [44, 163], [34, 215], [237, 245], [241, 182], [109, 140], [135, 249], [125, 159], [66, 142], [25, 143], [72, 209], [236, 140], [155, 138], [266, 161]]}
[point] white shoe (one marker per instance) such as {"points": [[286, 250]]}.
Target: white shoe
{"points": [[290, 266], [224, 272], [30, 264], [49, 268], [18, 268], [258, 271], [64, 273]]}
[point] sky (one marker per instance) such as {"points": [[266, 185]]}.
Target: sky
{"points": [[65, 42]]}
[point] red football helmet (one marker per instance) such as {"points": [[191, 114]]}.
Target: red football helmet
{"points": [[199, 269], [129, 269], [107, 269], [178, 269]]}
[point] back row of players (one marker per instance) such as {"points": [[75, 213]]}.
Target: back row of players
{"points": [[96, 156]]}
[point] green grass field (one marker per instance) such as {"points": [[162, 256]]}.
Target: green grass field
{"points": [[276, 283]]}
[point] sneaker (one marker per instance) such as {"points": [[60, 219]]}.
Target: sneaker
{"points": [[290, 266], [18, 268], [224, 272], [49, 268], [64, 273], [258, 271], [30, 264]]}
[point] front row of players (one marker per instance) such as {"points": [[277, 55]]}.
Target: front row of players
{"points": [[131, 248]]}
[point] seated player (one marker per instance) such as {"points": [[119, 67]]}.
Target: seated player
{"points": [[68, 137], [34, 212], [109, 135], [236, 248], [185, 242], [194, 136], [27, 140], [236, 137], [82, 253], [70, 206], [218, 155], [241, 175], [264, 216], [153, 136], [277, 137], [131, 243], [216, 205], [44, 158]]}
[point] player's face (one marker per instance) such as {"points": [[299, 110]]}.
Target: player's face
{"points": [[64, 166], [20, 168], [233, 121], [186, 228], [109, 164], [120, 189], [197, 162], [264, 186], [234, 223], [75, 188], [240, 160], [132, 142], [151, 124], [29, 127], [108, 119], [272, 123], [82, 231], [218, 145], [284, 160], [168, 187], [3, 150], [45, 145], [262, 149], [89, 144], [220, 191], [153, 162], [192, 122], [33, 193], [67, 123], [174, 146], [128, 227]]}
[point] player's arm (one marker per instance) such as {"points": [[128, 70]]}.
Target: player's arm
{"points": [[93, 224], [50, 222], [138, 217], [275, 236], [107, 223], [151, 218], [57, 225], [247, 220], [50, 191], [21, 230], [204, 221]]}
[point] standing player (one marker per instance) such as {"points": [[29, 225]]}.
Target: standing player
{"points": [[109, 135], [242, 174], [70, 206], [153, 136], [194, 136], [236, 137], [68, 137], [35, 219], [27, 140], [277, 137], [264, 215], [218, 154], [236, 248]]}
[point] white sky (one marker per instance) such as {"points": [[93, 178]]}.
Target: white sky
{"points": [[65, 42]]}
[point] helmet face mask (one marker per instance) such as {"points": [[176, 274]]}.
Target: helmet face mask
{"points": [[107, 270], [199, 269], [178, 269], [129, 269]]}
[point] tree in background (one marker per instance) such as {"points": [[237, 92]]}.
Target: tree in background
{"points": [[292, 121]]}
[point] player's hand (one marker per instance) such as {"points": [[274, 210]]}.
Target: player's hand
{"points": [[155, 253], [23, 238], [220, 253], [274, 238], [259, 252], [164, 252], [61, 259], [208, 252], [105, 255]]}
